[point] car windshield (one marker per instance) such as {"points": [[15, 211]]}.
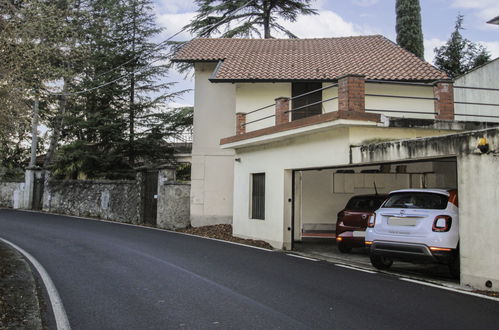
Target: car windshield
{"points": [[366, 203], [417, 200]]}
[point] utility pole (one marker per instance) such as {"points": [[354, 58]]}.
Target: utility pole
{"points": [[34, 132]]}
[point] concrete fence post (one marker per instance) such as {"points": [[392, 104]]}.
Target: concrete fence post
{"points": [[351, 93], [281, 110], [173, 200], [444, 103]]}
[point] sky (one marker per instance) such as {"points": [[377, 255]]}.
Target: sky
{"points": [[339, 18]]}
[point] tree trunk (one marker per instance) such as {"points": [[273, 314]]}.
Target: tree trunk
{"points": [[34, 132], [131, 137], [57, 127], [267, 8]]}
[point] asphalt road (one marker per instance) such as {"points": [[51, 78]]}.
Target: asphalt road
{"points": [[111, 276]]}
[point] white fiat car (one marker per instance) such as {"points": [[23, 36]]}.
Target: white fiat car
{"points": [[416, 225]]}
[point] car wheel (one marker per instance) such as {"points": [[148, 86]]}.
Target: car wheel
{"points": [[455, 266], [344, 248], [380, 262]]}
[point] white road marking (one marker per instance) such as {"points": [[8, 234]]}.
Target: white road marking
{"points": [[356, 268], [449, 289], [61, 319], [301, 257]]}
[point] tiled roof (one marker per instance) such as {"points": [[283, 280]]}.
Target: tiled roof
{"points": [[376, 57]]}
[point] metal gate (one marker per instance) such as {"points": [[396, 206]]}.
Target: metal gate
{"points": [[37, 194], [150, 197]]}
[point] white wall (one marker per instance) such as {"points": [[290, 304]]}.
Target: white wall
{"points": [[323, 149], [478, 221], [252, 96], [485, 77], [400, 104], [212, 167]]}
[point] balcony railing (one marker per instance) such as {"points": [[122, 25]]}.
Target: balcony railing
{"points": [[354, 94]]}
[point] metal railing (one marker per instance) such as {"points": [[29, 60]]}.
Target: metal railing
{"points": [[291, 98]]}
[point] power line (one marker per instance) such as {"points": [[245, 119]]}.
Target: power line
{"points": [[137, 57]]}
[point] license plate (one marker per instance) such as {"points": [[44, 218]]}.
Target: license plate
{"points": [[359, 234], [396, 221]]}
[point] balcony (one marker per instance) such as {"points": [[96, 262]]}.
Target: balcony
{"points": [[356, 101]]}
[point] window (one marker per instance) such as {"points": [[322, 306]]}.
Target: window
{"points": [[258, 196], [302, 88], [417, 200]]}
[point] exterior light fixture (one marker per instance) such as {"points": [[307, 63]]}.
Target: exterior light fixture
{"points": [[483, 145]]}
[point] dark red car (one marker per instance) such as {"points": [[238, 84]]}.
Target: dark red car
{"points": [[352, 220]]}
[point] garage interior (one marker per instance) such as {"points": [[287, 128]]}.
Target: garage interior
{"points": [[321, 193]]}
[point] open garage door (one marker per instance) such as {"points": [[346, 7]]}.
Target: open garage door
{"points": [[322, 193]]}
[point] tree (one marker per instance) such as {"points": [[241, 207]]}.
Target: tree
{"points": [[32, 44], [460, 55], [408, 26], [242, 18], [120, 121]]}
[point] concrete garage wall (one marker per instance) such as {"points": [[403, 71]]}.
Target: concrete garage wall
{"points": [[478, 182], [119, 201], [11, 194], [276, 159], [479, 223]]}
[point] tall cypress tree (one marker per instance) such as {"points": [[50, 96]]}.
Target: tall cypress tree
{"points": [[408, 26]]}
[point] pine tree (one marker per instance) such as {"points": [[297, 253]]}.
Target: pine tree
{"points": [[408, 26], [460, 55], [119, 123], [242, 18]]}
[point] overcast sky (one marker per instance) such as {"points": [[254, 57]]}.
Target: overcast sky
{"points": [[339, 18]]}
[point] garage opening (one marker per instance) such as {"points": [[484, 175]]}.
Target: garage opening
{"points": [[320, 194]]}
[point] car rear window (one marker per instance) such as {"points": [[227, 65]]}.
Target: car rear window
{"points": [[417, 200], [365, 203]]}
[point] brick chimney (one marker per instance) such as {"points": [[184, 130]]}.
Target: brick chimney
{"points": [[240, 123], [444, 103], [281, 110], [351, 93]]}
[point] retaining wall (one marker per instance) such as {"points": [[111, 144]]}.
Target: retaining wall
{"points": [[112, 200], [11, 194]]}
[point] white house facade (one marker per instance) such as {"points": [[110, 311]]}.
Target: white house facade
{"points": [[278, 125]]}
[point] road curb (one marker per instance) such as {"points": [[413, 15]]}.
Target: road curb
{"points": [[19, 291], [60, 316]]}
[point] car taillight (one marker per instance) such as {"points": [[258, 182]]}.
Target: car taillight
{"points": [[372, 221], [442, 223]]}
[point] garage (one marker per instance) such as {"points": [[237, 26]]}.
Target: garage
{"points": [[321, 193]]}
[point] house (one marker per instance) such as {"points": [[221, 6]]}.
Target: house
{"points": [[275, 122], [478, 89], [286, 131]]}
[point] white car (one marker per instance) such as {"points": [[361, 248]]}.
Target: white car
{"points": [[416, 225]]}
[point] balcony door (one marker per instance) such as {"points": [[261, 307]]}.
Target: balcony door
{"points": [[302, 102]]}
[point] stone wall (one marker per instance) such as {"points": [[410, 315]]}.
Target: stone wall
{"points": [[112, 200], [173, 205], [11, 194], [121, 201]]}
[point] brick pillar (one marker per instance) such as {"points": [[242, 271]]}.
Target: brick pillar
{"points": [[351, 93], [240, 123], [281, 108], [444, 103]]}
